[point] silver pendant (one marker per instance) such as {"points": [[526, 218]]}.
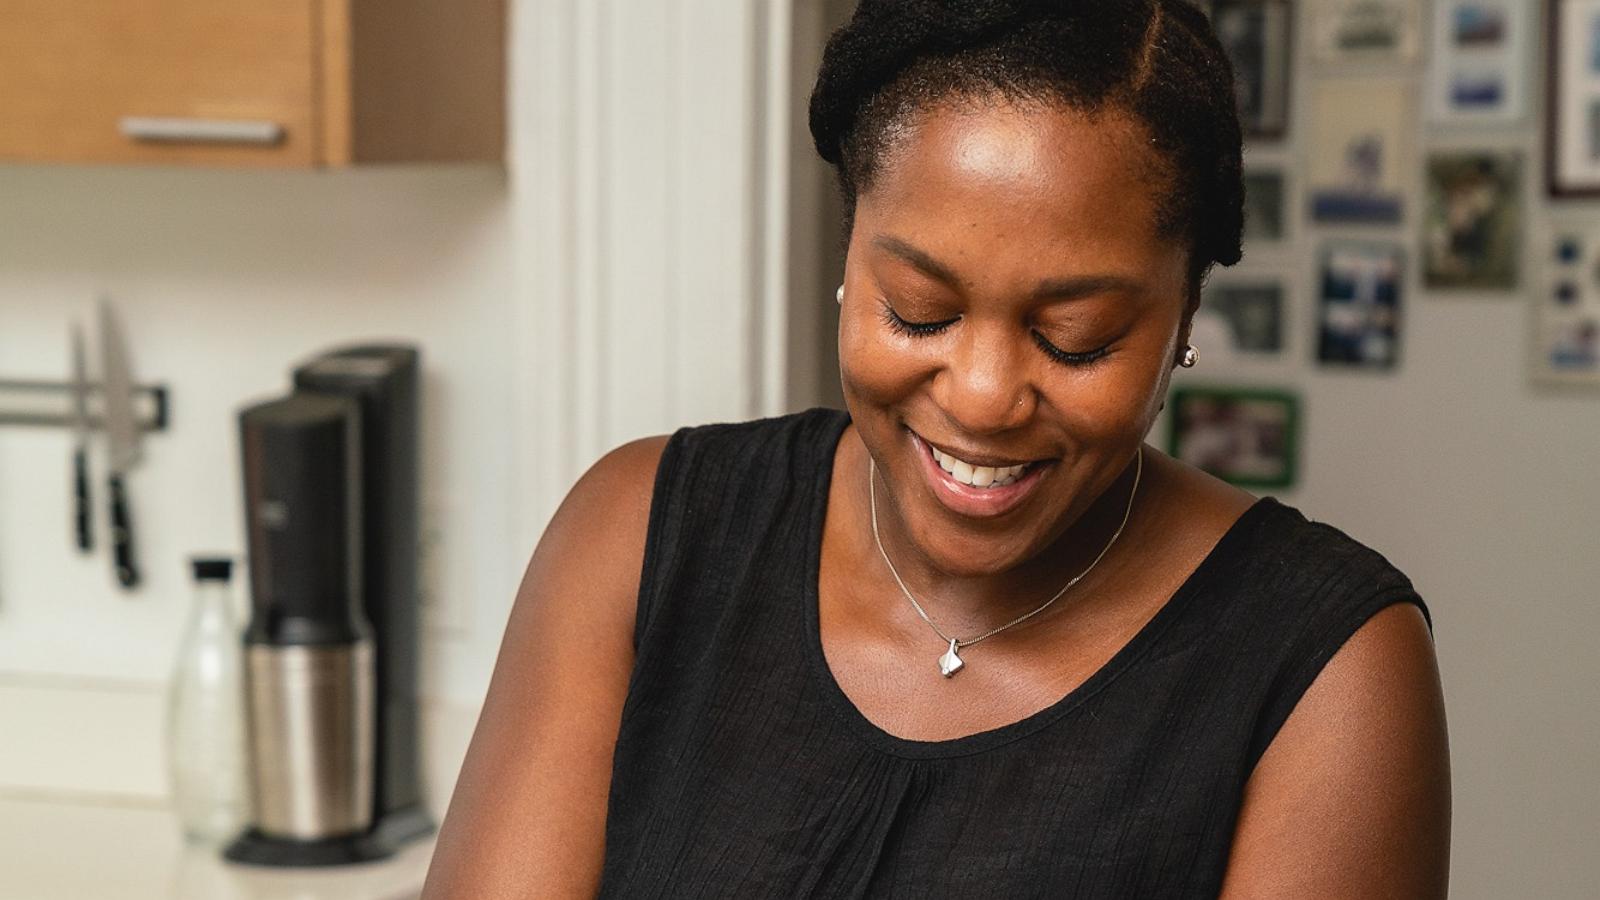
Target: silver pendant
{"points": [[950, 663]]}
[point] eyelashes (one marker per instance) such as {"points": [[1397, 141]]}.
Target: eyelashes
{"points": [[915, 329], [1066, 358], [926, 329]]}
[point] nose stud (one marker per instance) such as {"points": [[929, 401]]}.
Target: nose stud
{"points": [[1190, 357]]}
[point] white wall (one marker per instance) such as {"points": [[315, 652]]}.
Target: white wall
{"points": [[224, 280], [651, 275]]}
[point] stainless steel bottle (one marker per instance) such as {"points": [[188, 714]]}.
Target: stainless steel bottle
{"points": [[310, 736]]}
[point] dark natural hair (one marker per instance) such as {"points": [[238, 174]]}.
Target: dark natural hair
{"points": [[1158, 60]]}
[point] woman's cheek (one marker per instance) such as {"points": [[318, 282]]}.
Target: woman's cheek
{"points": [[1116, 404], [874, 367]]}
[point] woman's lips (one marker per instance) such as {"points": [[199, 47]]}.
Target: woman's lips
{"points": [[967, 500]]}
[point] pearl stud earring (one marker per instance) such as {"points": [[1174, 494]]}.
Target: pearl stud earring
{"points": [[1190, 357], [840, 294]]}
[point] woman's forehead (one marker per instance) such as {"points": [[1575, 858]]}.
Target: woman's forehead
{"points": [[980, 186]]}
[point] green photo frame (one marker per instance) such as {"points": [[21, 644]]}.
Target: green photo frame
{"points": [[1247, 436]]}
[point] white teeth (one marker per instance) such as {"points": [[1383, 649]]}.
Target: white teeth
{"points": [[977, 476]]}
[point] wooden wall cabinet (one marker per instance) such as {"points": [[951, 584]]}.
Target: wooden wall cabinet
{"points": [[283, 83]]}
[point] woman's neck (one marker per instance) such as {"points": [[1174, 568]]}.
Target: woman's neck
{"points": [[966, 604]]}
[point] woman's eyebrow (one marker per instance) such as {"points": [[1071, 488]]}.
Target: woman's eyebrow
{"points": [[1085, 286], [1066, 288], [919, 258]]}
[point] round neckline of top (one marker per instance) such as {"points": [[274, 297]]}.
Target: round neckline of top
{"points": [[978, 742]]}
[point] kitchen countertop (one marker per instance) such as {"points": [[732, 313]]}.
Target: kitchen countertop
{"points": [[54, 849]]}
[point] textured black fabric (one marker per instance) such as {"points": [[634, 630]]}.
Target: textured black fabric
{"points": [[742, 770]]}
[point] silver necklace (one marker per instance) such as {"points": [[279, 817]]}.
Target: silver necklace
{"points": [[950, 663]]}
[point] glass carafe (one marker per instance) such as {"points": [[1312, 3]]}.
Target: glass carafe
{"points": [[205, 713]]}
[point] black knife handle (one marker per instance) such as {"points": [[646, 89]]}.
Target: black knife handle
{"points": [[80, 491], [122, 535]]}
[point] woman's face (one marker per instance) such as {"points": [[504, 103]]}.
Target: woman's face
{"points": [[1008, 302]]}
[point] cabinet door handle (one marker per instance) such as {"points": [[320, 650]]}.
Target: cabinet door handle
{"points": [[205, 131]]}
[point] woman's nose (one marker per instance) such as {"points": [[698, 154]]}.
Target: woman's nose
{"points": [[985, 385]]}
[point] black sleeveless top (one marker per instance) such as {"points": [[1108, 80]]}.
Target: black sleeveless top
{"points": [[743, 770]]}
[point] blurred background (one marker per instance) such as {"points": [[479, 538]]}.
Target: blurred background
{"points": [[597, 220]]}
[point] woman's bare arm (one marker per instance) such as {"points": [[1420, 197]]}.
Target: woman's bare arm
{"points": [[1352, 798], [527, 818]]}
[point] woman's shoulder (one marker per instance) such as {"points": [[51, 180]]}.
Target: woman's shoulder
{"points": [[1276, 561], [1278, 586], [1280, 596], [1316, 558], [696, 455], [796, 436], [1348, 735], [1292, 594], [707, 466]]}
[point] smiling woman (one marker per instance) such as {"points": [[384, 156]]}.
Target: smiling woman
{"points": [[745, 659]]}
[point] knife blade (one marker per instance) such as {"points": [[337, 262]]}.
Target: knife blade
{"points": [[122, 439], [80, 442]]}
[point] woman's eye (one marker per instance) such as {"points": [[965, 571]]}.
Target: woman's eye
{"points": [[916, 329], [1067, 358], [901, 325]]}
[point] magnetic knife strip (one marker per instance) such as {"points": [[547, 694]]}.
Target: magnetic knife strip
{"points": [[49, 404]]}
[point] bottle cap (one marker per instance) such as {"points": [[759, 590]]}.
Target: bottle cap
{"points": [[212, 568]]}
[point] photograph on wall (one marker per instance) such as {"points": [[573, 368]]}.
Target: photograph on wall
{"points": [[1358, 318], [1253, 312], [1476, 75], [1360, 154], [1472, 233], [1572, 348], [1365, 30], [1246, 436], [1255, 33], [1566, 323], [1572, 110], [1265, 210]]}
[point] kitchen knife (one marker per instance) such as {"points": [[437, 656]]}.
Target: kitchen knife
{"points": [[80, 442], [122, 439]]}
